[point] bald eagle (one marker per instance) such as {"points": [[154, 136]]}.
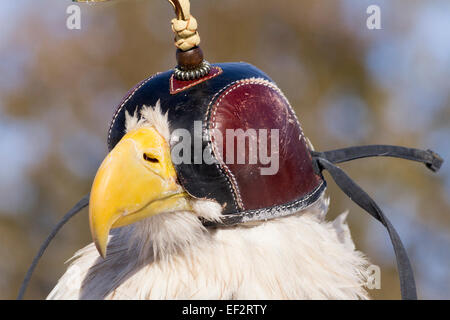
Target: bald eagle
{"points": [[149, 242]]}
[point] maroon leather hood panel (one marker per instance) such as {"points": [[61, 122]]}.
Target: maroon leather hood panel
{"points": [[252, 105]]}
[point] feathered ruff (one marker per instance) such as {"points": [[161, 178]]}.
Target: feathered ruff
{"points": [[172, 256], [149, 116]]}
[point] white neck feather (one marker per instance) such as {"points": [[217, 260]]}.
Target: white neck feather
{"points": [[172, 256]]}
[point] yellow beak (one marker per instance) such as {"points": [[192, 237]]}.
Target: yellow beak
{"points": [[135, 181]]}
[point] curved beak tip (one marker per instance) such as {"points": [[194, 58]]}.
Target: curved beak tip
{"points": [[100, 248]]}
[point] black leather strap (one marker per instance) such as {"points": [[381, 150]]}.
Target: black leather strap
{"points": [[77, 208], [432, 160], [265, 214], [361, 198], [325, 160]]}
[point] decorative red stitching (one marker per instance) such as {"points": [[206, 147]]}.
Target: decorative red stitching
{"points": [[215, 71]]}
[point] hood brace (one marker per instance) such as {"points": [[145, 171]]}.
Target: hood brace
{"points": [[321, 161]]}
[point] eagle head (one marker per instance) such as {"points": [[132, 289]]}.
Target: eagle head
{"points": [[135, 181]]}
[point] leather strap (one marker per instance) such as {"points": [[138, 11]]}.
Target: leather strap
{"points": [[77, 208], [325, 160], [361, 198], [269, 213], [432, 160]]}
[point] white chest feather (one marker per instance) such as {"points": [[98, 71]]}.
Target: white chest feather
{"points": [[172, 256]]}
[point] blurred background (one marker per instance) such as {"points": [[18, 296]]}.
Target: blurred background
{"points": [[349, 86]]}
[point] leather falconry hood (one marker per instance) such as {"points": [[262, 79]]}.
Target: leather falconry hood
{"points": [[232, 96], [206, 100]]}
